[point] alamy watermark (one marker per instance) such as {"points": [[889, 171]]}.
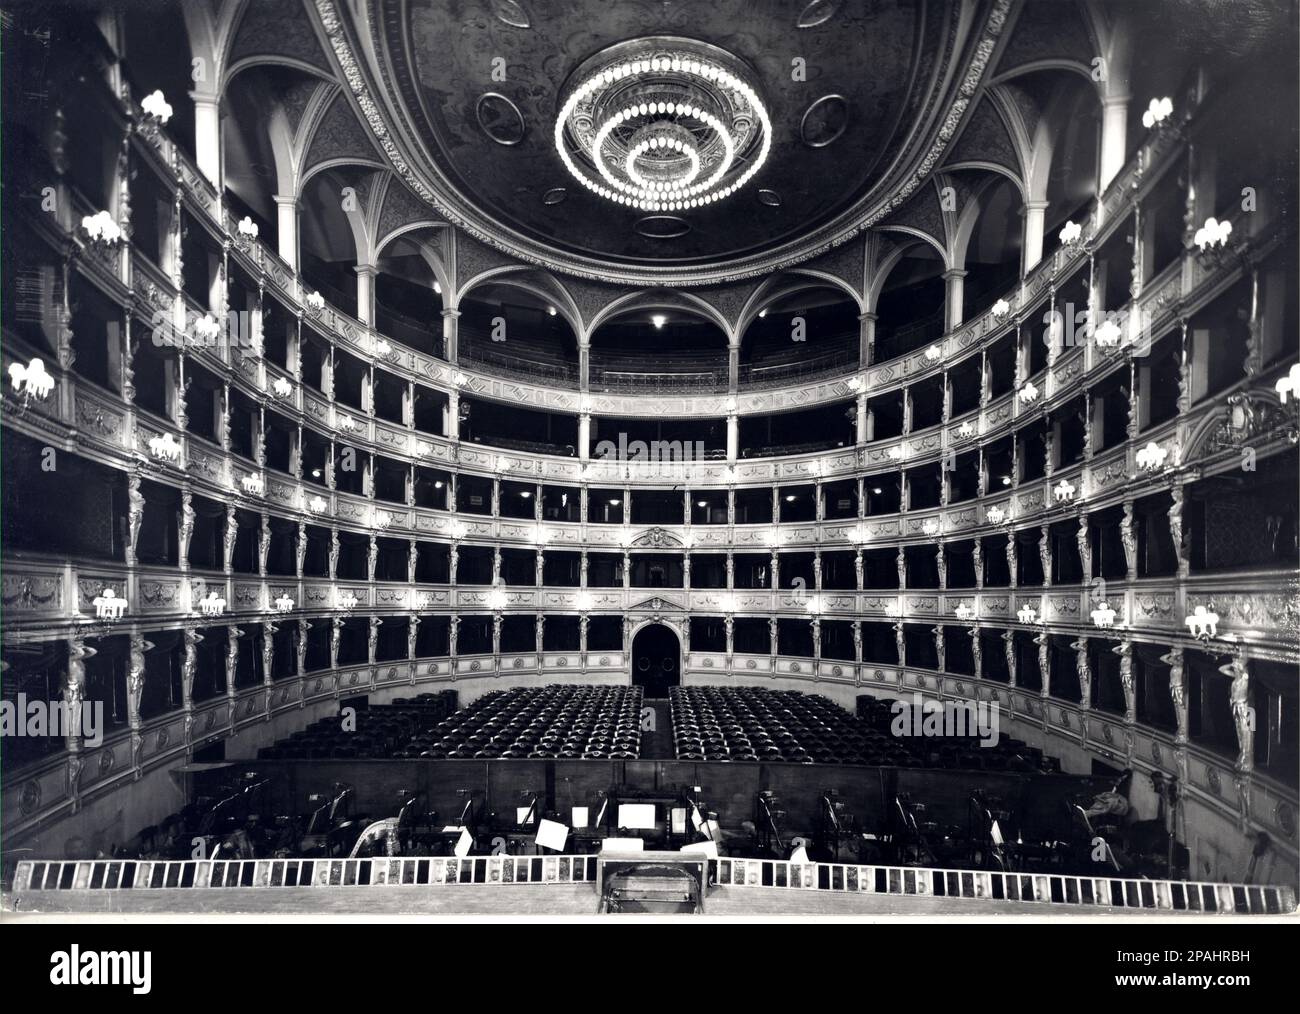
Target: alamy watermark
{"points": [[659, 459], [946, 719], [33, 718]]}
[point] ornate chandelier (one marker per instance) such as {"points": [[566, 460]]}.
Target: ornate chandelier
{"points": [[663, 124]]}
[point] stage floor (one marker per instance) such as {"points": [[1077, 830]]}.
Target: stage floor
{"points": [[547, 901]]}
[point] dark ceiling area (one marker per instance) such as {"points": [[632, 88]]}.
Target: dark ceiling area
{"points": [[844, 96]]}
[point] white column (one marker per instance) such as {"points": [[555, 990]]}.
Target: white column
{"points": [[1114, 138], [286, 220], [955, 288], [1035, 217], [584, 437], [366, 293], [207, 136], [450, 334], [733, 438], [866, 339]]}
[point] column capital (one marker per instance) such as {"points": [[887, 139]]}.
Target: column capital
{"points": [[450, 313]]}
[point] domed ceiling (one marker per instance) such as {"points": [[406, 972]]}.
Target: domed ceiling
{"points": [[832, 107]]}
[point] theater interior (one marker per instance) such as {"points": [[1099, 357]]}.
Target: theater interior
{"points": [[540, 458]]}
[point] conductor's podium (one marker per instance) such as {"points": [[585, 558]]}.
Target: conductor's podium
{"points": [[661, 883]]}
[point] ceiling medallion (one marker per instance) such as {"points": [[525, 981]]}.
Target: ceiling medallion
{"points": [[499, 118], [662, 124], [818, 12], [662, 227], [824, 121], [510, 13]]}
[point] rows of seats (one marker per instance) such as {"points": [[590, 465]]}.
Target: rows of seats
{"points": [[553, 721], [758, 724], [376, 732]]}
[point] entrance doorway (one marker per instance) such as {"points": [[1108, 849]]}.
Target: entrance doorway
{"points": [[656, 660]]}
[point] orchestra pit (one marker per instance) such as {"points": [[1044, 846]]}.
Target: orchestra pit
{"points": [[514, 458]]}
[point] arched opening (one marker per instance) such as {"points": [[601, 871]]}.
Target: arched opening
{"points": [[408, 298], [656, 660], [515, 330], [800, 335], [658, 347]]}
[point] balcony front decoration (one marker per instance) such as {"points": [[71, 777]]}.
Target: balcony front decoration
{"points": [[963, 612], [1152, 457], [1157, 112], [253, 484], [32, 380], [101, 229], [317, 505], [165, 447], [1103, 617], [996, 515], [662, 124], [314, 303], [347, 601], [212, 604], [108, 606], [1027, 613], [1028, 392], [284, 604], [1063, 491], [1202, 624]]}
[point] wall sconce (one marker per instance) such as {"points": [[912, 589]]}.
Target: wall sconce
{"points": [[855, 384], [996, 515], [814, 604], [963, 612], [31, 381], [1286, 387], [108, 606], [584, 405], [775, 538], [502, 464], [1212, 235], [253, 484], [1027, 613], [206, 329], [934, 353], [1103, 617], [860, 534], [966, 429], [382, 348], [212, 604], [156, 108], [284, 604], [282, 387], [1070, 234], [345, 423], [164, 447], [1108, 335], [931, 526], [541, 536], [380, 519], [1157, 112], [496, 600], [1028, 392], [347, 601], [314, 302], [727, 602], [1152, 457], [317, 505], [584, 601], [1063, 491], [246, 230], [1000, 309], [459, 379], [730, 473], [458, 530], [895, 453], [101, 229], [1202, 624]]}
